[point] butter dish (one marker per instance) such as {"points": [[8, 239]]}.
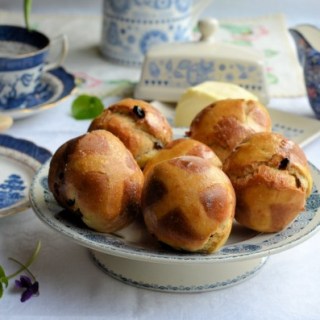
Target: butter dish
{"points": [[169, 69]]}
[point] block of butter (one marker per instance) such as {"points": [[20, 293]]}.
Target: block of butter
{"points": [[194, 99]]}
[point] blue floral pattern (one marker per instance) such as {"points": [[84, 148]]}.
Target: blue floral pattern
{"points": [[152, 38], [12, 100], [156, 4], [184, 73], [313, 201], [175, 288], [21, 68], [312, 79], [183, 5], [310, 61], [119, 6], [135, 26], [55, 85], [19, 159], [113, 34], [9, 93], [11, 191]]}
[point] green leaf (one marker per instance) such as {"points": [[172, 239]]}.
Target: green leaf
{"points": [[86, 107], [27, 4], [3, 281], [3, 277]]}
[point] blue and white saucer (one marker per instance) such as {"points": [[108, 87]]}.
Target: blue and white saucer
{"points": [[56, 85], [19, 160]]}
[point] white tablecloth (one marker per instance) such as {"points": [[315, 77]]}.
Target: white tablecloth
{"points": [[72, 287]]}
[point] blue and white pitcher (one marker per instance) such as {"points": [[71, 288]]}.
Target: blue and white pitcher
{"points": [[131, 27], [307, 39]]}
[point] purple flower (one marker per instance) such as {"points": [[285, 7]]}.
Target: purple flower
{"points": [[32, 289]]}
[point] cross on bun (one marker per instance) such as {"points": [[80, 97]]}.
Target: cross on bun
{"points": [[188, 203], [223, 124], [183, 147]]}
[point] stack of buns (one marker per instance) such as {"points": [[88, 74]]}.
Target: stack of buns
{"points": [[189, 191]]}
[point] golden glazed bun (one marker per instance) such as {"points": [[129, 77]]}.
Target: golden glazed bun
{"points": [[188, 204], [96, 176], [272, 181], [224, 124], [183, 147], [142, 128]]}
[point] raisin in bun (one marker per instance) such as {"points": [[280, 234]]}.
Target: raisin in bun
{"points": [[96, 176], [272, 181], [183, 147], [188, 203], [224, 124], [141, 127]]}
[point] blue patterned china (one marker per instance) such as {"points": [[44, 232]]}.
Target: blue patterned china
{"points": [[23, 61], [131, 27], [55, 85], [134, 257], [307, 39], [19, 160]]}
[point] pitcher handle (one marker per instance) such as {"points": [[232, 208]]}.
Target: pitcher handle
{"points": [[62, 55]]}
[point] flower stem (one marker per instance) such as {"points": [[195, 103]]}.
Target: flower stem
{"points": [[23, 267], [27, 264], [27, 4]]}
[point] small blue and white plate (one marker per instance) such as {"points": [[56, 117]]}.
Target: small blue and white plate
{"points": [[136, 258], [56, 85], [19, 160]]}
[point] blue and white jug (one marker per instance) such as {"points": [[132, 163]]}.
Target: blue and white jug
{"points": [[131, 27], [307, 39]]}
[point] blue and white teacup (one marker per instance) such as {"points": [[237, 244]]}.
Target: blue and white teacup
{"points": [[131, 27], [23, 61]]}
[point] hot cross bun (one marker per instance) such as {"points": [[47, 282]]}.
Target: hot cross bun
{"points": [[188, 203], [225, 123], [141, 127], [96, 177], [272, 181]]}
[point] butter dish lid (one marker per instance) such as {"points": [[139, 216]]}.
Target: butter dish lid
{"points": [[207, 46], [169, 69]]}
